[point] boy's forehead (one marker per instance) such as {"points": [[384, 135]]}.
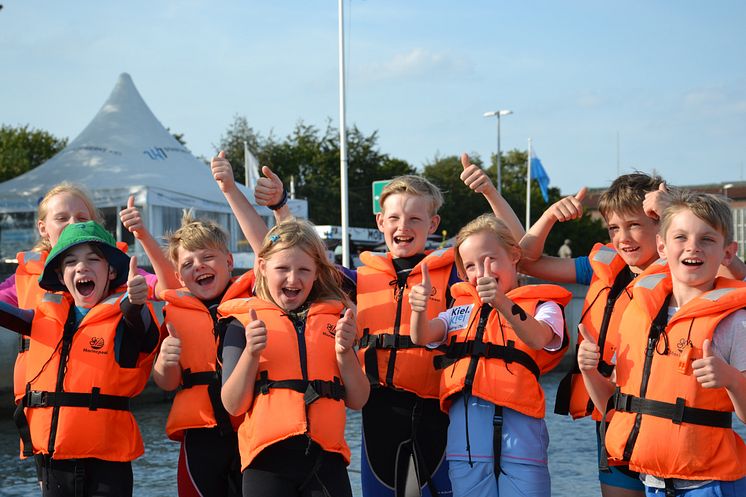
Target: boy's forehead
{"points": [[407, 202], [83, 248], [184, 253], [625, 215]]}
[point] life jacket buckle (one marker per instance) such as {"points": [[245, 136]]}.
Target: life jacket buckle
{"points": [[477, 348], [678, 413], [311, 394], [388, 341], [37, 398]]}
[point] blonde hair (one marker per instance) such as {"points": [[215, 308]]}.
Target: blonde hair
{"points": [[299, 233], [712, 209], [43, 209], [486, 223], [196, 234], [413, 185], [626, 193]]}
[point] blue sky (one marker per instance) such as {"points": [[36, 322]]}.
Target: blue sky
{"points": [[667, 78]]}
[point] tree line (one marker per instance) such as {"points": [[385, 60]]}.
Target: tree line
{"points": [[310, 156]]}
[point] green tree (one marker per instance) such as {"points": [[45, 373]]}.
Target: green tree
{"points": [[232, 142], [23, 149]]}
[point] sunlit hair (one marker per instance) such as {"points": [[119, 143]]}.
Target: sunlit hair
{"points": [[490, 224], [712, 209], [414, 185], [626, 194], [60, 188], [300, 233], [196, 234]]}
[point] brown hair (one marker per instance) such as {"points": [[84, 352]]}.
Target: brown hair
{"points": [[414, 185], [485, 223], [300, 233], [60, 188], [626, 193], [712, 209], [196, 234]]}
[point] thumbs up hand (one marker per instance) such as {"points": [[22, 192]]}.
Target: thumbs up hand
{"points": [[131, 219], [712, 371], [420, 294], [269, 188], [222, 172], [256, 335], [137, 287], [170, 348], [475, 177], [345, 332], [487, 287], [589, 353], [570, 207], [656, 201]]}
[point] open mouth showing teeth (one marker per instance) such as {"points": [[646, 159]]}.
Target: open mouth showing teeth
{"points": [[628, 250], [692, 262], [403, 239], [290, 292], [205, 279], [85, 287]]}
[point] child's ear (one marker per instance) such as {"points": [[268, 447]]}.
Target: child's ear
{"points": [[730, 251], [230, 261], [661, 246], [434, 222], [178, 277], [260, 265], [59, 276], [379, 221], [112, 273], [515, 255]]}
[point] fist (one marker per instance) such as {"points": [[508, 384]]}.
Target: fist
{"points": [[222, 172], [345, 332], [256, 335], [131, 219], [137, 287], [170, 348], [420, 294]]}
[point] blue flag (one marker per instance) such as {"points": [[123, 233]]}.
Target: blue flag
{"points": [[539, 174]]}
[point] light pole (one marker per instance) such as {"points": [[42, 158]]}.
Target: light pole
{"points": [[498, 114]]}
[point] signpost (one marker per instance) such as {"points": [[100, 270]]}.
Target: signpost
{"points": [[378, 187]]}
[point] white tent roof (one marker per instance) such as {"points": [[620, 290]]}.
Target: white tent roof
{"points": [[124, 150]]}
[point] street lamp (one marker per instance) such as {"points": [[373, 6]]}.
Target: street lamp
{"points": [[498, 114], [727, 187]]}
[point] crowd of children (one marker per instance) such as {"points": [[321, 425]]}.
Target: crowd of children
{"points": [[442, 351]]}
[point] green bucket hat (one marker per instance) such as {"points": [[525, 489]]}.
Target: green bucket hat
{"points": [[76, 234]]}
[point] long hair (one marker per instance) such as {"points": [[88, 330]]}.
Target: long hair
{"points": [[299, 233], [64, 187]]}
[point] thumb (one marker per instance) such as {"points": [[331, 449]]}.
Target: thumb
{"points": [[707, 349], [171, 330], [487, 267], [425, 275], [662, 187], [585, 334], [581, 193], [133, 267], [348, 315], [465, 161], [268, 173], [221, 154], [131, 202], [252, 315]]}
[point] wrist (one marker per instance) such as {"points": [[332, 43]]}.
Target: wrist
{"points": [[282, 202]]}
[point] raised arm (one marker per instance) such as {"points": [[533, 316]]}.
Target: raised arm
{"points": [[475, 178], [270, 192], [251, 223], [164, 270]]}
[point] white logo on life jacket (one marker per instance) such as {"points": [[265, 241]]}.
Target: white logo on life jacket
{"points": [[458, 317]]}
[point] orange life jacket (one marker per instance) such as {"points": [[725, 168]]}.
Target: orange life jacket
{"points": [[77, 395], [197, 404], [389, 356], [665, 423], [29, 293], [608, 295], [298, 388], [485, 355]]}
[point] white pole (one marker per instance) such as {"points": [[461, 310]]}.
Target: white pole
{"points": [[343, 142], [528, 187], [246, 164]]}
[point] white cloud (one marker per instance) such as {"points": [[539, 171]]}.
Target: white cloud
{"points": [[715, 101], [416, 63]]}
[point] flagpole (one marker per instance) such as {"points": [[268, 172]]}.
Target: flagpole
{"points": [[343, 142], [246, 164], [528, 187]]}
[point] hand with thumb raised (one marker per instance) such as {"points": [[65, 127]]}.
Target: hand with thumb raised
{"points": [[137, 287], [269, 188], [131, 218], [222, 172], [170, 348], [656, 201], [420, 293], [256, 335], [345, 332], [589, 353], [486, 283], [712, 371], [475, 177], [570, 207]]}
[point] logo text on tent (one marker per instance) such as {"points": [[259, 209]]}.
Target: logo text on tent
{"points": [[156, 153]]}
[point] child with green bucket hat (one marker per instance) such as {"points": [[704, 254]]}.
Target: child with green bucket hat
{"points": [[93, 340]]}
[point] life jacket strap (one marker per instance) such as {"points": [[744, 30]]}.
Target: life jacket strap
{"points": [[24, 343], [678, 413], [92, 401], [312, 390], [472, 348], [213, 382], [190, 379], [388, 341]]}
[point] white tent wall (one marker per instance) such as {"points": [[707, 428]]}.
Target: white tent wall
{"points": [[124, 150]]}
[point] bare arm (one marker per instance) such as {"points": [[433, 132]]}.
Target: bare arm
{"points": [[251, 223], [164, 270], [237, 393], [566, 209], [713, 372], [357, 386]]}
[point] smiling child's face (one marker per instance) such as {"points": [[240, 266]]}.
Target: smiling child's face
{"points": [[86, 274]]}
